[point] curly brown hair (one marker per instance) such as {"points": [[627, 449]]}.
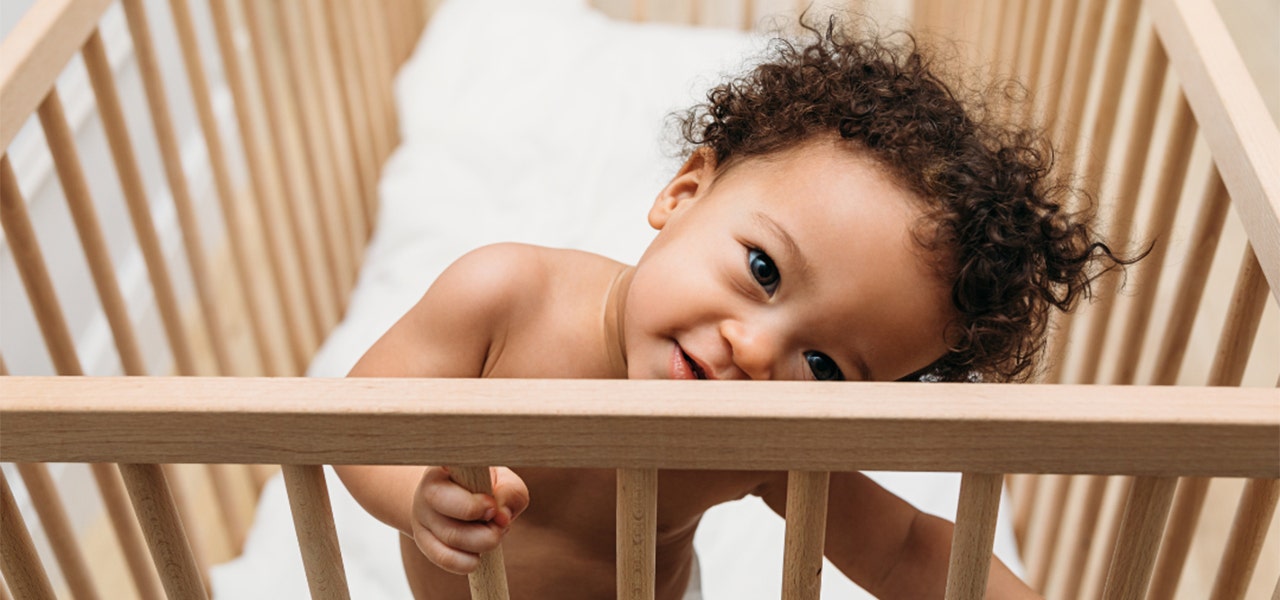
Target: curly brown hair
{"points": [[996, 214]]}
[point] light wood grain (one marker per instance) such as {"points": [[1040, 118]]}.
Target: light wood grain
{"points": [[1139, 538], [22, 568], [131, 183], [1243, 138], [805, 534], [212, 315], [317, 537], [268, 190], [637, 525], [154, 505], [34, 272], [58, 529], [256, 298], [1248, 532], [975, 533], [34, 53], [489, 581], [604, 423], [299, 198], [66, 162]]}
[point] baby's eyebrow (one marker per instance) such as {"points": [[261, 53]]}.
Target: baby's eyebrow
{"points": [[789, 243]]}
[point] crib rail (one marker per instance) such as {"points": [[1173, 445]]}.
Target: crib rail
{"points": [[1150, 102], [982, 430], [570, 423], [262, 310]]}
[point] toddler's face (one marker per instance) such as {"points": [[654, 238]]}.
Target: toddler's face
{"points": [[800, 265]]}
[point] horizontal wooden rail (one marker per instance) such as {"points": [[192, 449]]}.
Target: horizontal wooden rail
{"points": [[34, 53], [1135, 430]]}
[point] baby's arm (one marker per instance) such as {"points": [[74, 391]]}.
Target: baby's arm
{"points": [[886, 545], [450, 332]]}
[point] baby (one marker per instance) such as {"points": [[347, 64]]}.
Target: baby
{"points": [[841, 215]]}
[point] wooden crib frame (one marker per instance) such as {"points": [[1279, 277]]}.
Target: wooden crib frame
{"points": [[1126, 466]]}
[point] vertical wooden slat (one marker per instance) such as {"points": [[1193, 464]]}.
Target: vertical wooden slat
{"points": [[302, 201], [988, 40], [1144, 517], [1009, 38], [1114, 64], [637, 523], [4, 590], [342, 146], [489, 581], [128, 530], [1191, 281], [1083, 48], [349, 18], [360, 131], [1045, 528], [1053, 64], [256, 298], [282, 264], [1120, 229], [1028, 491], [158, 515], [1148, 272], [117, 131], [1183, 518], [1069, 562], [190, 524], [179, 189], [1100, 560], [356, 17], [57, 338], [18, 559], [806, 534], [58, 529], [974, 536], [1232, 355], [67, 164], [313, 148], [236, 522], [26, 253], [317, 537], [383, 66], [1032, 45], [1248, 532]]}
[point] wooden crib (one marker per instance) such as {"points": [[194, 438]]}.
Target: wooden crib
{"points": [[1109, 462]]}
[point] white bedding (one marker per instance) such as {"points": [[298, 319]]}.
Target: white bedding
{"points": [[541, 122]]}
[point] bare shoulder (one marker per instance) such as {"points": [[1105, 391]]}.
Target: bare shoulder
{"points": [[496, 274], [453, 328]]}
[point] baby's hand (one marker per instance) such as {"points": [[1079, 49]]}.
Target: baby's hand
{"points": [[453, 526]]}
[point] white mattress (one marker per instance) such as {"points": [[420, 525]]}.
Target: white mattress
{"points": [[542, 122]]}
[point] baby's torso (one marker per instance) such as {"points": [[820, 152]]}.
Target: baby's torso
{"points": [[563, 545]]}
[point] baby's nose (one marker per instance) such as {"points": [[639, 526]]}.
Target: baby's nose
{"points": [[752, 349]]}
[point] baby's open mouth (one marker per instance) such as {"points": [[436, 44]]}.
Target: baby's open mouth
{"points": [[693, 365]]}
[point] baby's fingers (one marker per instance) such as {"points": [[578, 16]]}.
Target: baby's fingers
{"points": [[442, 555], [466, 536], [440, 494]]}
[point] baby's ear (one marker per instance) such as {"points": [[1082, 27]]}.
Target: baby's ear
{"points": [[689, 184]]}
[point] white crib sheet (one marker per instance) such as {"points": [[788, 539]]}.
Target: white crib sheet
{"points": [[542, 122]]}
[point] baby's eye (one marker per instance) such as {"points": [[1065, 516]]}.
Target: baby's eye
{"points": [[824, 369], [763, 270]]}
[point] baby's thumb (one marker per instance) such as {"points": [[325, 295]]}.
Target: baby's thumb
{"points": [[511, 494]]}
